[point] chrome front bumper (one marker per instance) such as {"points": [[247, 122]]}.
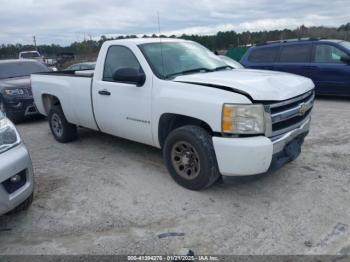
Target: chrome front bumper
{"points": [[259, 154], [280, 143]]}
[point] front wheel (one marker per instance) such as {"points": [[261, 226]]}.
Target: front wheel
{"points": [[190, 157], [62, 130]]}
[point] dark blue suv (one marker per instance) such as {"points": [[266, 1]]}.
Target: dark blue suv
{"points": [[326, 62]]}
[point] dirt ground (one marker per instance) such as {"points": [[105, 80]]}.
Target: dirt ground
{"points": [[105, 195]]}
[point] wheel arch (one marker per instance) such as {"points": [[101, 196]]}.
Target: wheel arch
{"points": [[170, 121], [49, 101]]}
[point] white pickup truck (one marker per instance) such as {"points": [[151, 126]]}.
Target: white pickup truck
{"points": [[210, 120]]}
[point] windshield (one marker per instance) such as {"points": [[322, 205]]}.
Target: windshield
{"points": [[229, 61], [177, 58], [346, 44], [18, 69], [30, 55]]}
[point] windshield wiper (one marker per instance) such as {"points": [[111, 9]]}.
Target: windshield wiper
{"points": [[223, 68], [202, 69]]}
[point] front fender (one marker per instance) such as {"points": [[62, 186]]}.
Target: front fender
{"points": [[200, 102]]}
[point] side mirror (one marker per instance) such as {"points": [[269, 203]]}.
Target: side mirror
{"points": [[345, 59], [129, 75]]}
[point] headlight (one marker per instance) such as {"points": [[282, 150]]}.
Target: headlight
{"points": [[9, 136], [243, 119], [14, 92]]}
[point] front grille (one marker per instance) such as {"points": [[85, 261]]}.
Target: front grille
{"points": [[290, 114], [28, 92]]}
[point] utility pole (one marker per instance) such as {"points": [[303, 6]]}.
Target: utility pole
{"points": [[34, 40]]}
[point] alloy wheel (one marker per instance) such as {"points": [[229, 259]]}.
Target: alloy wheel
{"points": [[185, 160], [56, 124]]}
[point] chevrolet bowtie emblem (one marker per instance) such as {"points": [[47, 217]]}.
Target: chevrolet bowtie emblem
{"points": [[303, 109]]}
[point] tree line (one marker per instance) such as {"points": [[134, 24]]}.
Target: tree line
{"points": [[219, 41]]}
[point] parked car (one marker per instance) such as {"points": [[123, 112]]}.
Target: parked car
{"points": [[16, 99], [16, 172], [81, 66], [230, 62], [326, 62], [208, 119], [31, 55]]}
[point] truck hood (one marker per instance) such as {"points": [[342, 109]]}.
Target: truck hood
{"points": [[260, 85]]}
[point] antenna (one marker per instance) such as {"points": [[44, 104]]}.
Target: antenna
{"points": [[160, 42], [158, 23]]}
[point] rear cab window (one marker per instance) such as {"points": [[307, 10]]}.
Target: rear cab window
{"points": [[264, 55]]}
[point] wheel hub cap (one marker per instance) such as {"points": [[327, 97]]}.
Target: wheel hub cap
{"points": [[56, 124], [185, 160]]}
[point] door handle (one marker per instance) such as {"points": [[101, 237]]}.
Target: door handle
{"points": [[104, 92]]}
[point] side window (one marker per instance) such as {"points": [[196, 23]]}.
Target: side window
{"points": [[118, 57], [295, 54], [328, 54], [263, 55]]}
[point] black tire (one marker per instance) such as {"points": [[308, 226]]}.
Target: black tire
{"points": [[23, 206], [63, 131], [200, 150]]}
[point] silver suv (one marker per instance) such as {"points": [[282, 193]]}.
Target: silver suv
{"points": [[16, 172]]}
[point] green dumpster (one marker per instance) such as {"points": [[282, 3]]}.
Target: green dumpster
{"points": [[236, 53]]}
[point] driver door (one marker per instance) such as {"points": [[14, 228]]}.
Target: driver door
{"points": [[123, 109]]}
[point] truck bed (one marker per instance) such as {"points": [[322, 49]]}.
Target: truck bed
{"points": [[72, 89], [71, 73]]}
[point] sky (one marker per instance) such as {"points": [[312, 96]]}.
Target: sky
{"points": [[65, 21]]}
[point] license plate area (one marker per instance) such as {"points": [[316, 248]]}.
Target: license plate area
{"points": [[289, 153]]}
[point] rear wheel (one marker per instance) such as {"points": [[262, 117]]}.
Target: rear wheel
{"points": [[190, 157], [62, 130]]}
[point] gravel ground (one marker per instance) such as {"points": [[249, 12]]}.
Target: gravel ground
{"points": [[105, 195]]}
